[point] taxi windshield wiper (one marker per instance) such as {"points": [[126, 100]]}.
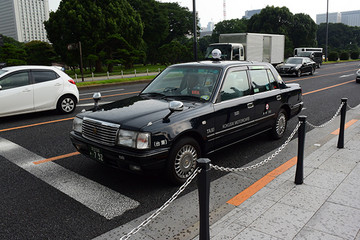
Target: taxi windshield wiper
{"points": [[188, 97], [153, 94]]}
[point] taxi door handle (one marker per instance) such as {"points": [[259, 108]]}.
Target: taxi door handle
{"points": [[278, 97], [250, 105]]}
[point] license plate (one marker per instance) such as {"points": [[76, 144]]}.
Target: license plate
{"points": [[96, 153]]}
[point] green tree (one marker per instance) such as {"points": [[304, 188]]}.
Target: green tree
{"points": [[229, 26], [156, 26], [180, 21], [39, 53], [12, 55], [340, 37], [272, 19], [94, 24], [303, 31]]}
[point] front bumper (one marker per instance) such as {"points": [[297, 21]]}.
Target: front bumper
{"points": [[286, 71], [125, 159]]}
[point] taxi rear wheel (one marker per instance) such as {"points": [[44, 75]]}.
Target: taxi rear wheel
{"points": [[280, 124], [182, 160]]}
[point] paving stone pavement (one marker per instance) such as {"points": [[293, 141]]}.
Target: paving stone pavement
{"points": [[325, 207]]}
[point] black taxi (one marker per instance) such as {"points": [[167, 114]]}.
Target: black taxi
{"points": [[188, 110]]}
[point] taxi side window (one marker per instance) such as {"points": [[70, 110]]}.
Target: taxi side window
{"points": [[273, 82], [14, 80], [260, 80], [235, 85]]}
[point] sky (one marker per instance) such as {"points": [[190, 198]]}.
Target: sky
{"points": [[212, 10]]}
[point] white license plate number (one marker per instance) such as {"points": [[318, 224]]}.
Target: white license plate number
{"points": [[96, 153]]}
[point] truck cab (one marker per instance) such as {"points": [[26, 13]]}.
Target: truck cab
{"points": [[229, 51]]}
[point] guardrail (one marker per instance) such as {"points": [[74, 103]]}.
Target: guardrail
{"points": [[205, 166]]}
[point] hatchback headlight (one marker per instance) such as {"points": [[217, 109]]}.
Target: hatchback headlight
{"points": [[134, 139], [77, 124]]}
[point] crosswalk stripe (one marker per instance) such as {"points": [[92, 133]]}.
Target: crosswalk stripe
{"points": [[106, 202]]}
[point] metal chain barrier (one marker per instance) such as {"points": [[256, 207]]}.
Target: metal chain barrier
{"points": [[353, 107], [225, 169], [166, 204], [332, 119]]}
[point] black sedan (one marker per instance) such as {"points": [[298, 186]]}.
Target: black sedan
{"points": [[186, 112], [297, 66]]}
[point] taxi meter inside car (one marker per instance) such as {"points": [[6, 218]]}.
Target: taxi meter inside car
{"points": [[189, 110]]}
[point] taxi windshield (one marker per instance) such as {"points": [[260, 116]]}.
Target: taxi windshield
{"points": [[184, 82]]}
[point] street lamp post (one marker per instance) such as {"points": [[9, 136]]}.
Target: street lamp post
{"points": [[327, 31], [195, 32]]}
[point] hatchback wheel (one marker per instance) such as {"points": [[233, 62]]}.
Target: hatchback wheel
{"points": [[182, 160], [66, 104]]}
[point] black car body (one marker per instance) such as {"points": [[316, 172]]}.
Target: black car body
{"points": [[297, 66], [189, 110], [317, 57]]}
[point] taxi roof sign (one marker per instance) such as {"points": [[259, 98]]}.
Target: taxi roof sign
{"points": [[216, 54]]}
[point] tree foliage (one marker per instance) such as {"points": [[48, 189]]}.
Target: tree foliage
{"points": [[96, 24], [39, 53], [229, 26], [340, 37], [299, 29]]}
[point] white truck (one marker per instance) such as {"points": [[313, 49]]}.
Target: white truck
{"points": [[250, 47]]}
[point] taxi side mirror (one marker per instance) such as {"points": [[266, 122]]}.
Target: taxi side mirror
{"points": [[174, 106]]}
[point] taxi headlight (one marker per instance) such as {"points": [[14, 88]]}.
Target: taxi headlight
{"points": [[77, 124], [134, 139]]}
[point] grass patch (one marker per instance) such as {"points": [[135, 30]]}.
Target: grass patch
{"points": [[120, 80]]}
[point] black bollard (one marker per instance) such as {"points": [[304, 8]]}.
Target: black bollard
{"points": [[204, 195], [342, 123], [299, 176]]}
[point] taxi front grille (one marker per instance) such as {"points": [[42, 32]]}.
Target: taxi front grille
{"points": [[99, 131]]}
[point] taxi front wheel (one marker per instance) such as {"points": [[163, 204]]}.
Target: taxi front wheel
{"points": [[182, 160], [279, 126]]}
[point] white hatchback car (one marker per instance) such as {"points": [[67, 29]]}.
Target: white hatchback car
{"points": [[26, 89]]}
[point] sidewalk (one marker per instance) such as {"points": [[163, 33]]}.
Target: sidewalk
{"points": [[326, 206]]}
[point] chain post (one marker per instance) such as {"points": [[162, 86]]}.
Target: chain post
{"points": [[342, 123], [299, 175], [204, 195]]}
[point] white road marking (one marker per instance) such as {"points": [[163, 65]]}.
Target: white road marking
{"points": [[113, 90], [97, 197], [348, 75], [90, 104]]}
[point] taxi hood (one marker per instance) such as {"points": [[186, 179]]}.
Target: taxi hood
{"points": [[135, 112]]}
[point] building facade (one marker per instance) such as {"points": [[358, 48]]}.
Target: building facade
{"points": [[250, 13], [350, 18], [23, 20]]}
